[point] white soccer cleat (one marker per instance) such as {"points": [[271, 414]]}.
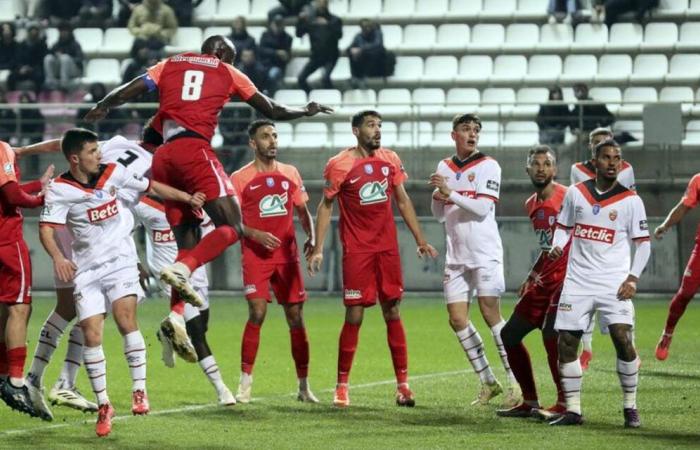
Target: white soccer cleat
{"points": [[71, 398], [178, 277], [306, 396], [513, 397], [487, 392], [226, 397], [173, 329], [167, 353], [245, 389], [42, 408]]}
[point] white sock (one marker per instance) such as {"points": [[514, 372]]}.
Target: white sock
{"points": [[628, 372], [474, 348], [245, 378], [571, 374], [96, 366], [49, 336], [135, 353], [496, 332], [190, 312], [211, 370], [587, 341], [74, 356]]}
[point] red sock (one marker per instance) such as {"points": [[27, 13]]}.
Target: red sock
{"points": [[550, 345], [3, 360], [520, 364], [677, 307], [300, 351], [346, 350], [211, 246], [396, 337], [249, 347], [15, 361]]}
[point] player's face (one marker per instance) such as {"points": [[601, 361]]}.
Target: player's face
{"points": [[607, 163], [597, 139], [88, 159], [542, 169], [265, 142], [369, 134], [466, 136]]}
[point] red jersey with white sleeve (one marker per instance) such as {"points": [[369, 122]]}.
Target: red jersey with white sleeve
{"points": [[192, 90], [603, 226], [267, 202], [583, 171], [364, 187]]}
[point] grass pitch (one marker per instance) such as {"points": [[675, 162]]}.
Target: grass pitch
{"points": [[185, 414]]}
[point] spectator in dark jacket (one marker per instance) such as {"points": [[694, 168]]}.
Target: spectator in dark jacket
{"points": [[250, 66], [240, 37], [367, 53], [274, 52], [615, 8], [288, 8], [94, 13], [143, 59], [184, 10], [28, 74], [32, 122], [59, 11], [552, 119], [8, 47], [63, 65], [8, 120], [324, 30], [587, 117], [107, 127]]}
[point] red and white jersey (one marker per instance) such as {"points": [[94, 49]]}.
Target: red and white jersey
{"points": [[94, 213], [583, 171], [10, 216], [603, 226], [128, 154], [472, 241]]}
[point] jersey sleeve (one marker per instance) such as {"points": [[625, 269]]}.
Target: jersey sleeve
{"points": [[130, 184], [300, 196], [333, 179], [690, 198], [240, 84], [490, 184], [55, 210], [567, 216], [638, 226], [628, 180], [237, 185], [7, 172], [152, 75], [572, 175], [400, 174]]}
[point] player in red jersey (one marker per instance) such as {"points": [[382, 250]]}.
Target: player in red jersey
{"points": [[270, 192], [691, 276], [16, 274], [539, 293], [193, 88], [364, 178]]}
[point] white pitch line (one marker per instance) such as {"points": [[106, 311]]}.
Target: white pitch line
{"points": [[164, 412]]}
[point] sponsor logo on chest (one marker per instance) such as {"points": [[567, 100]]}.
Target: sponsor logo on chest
{"points": [[163, 236], [374, 192], [593, 233], [103, 212], [273, 205]]}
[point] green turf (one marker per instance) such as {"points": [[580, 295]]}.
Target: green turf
{"points": [[185, 416]]}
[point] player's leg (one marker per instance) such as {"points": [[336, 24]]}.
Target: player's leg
{"points": [[95, 363], [347, 345], [549, 339], [512, 336], [587, 346], [250, 341], [627, 370], [124, 311]]}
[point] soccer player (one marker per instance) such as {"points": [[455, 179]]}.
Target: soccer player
{"points": [[691, 275], [585, 170], [467, 187], [193, 88], [602, 217], [90, 201], [270, 192], [364, 178], [539, 293], [16, 276]]}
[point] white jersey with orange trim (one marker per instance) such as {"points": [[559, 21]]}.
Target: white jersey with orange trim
{"points": [[472, 241], [583, 171], [603, 226], [128, 154]]}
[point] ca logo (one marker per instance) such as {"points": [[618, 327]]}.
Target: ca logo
{"points": [[373, 192], [273, 205]]}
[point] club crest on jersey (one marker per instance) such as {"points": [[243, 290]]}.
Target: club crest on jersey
{"points": [[103, 212], [540, 214], [596, 209], [471, 176], [373, 192], [385, 171], [458, 175], [613, 215], [99, 194], [112, 191], [270, 182], [285, 185], [9, 170], [369, 170], [273, 205]]}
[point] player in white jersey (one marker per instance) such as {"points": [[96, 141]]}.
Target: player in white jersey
{"points": [[467, 187], [604, 218], [90, 201], [585, 170]]}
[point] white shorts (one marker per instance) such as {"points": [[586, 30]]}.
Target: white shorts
{"points": [[192, 311], [105, 284], [460, 282], [577, 312], [64, 240]]}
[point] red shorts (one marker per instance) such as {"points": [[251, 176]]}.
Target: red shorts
{"points": [[691, 275], [15, 273], [286, 280], [190, 165], [537, 302], [367, 276]]}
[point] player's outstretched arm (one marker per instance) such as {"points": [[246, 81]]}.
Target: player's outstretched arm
{"points": [[323, 221], [674, 216], [405, 205], [65, 269], [277, 111], [307, 223], [117, 97], [166, 192], [50, 146]]}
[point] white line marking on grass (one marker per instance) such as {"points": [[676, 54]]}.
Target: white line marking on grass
{"points": [[164, 412]]}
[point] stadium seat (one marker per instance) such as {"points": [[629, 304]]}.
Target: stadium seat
{"points": [[349, 33], [7, 10], [90, 40], [207, 11], [359, 9], [440, 69], [528, 101], [398, 10], [360, 98], [341, 72], [428, 101], [223, 30], [291, 96], [649, 69], [689, 37], [487, 37], [683, 69], [692, 133], [310, 135], [531, 10], [633, 127], [521, 37], [229, 9], [671, 9], [302, 45], [117, 42], [614, 69], [634, 99], [452, 37], [394, 101], [442, 135], [259, 9], [52, 36], [543, 69], [682, 95], [339, 7], [625, 37], [461, 101], [475, 69], [497, 10], [579, 69], [390, 134], [418, 38], [294, 67], [431, 9], [497, 102], [342, 137], [555, 38], [491, 134], [186, 39], [415, 134], [102, 70], [693, 11], [509, 69], [611, 96], [285, 134], [590, 38], [464, 8], [521, 134], [408, 69], [330, 97], [393, 36], [3, 75], [659, 37]]}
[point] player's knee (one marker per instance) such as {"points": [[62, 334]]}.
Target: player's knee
{"points": [[568, 346], [19, 312], [458, 323]]}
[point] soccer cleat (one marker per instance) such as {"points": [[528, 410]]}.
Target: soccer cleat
{"points": [[71, 398], [306, 396], [226, 398], [404, 396], [522, 410], [139, 403], [663, 346], [167, 353], [549, 414], [513, 397], [104, 420], [245, 389], [37, 396], [175, 332], [487, 392], [568, 418], [631, 418], [585, 359], [18, 398], [178, 277], [341, 398]]}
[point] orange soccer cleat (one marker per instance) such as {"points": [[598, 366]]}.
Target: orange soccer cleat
{"points": [[341, 398], [404, 396], [139, 403], [663, 346], [104, 420]]}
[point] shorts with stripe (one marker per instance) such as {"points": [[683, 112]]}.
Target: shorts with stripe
{"points": [[15, 274]]}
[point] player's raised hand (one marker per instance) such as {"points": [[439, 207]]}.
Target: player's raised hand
{"points": [[197, 200], [65, 269], [46, 177], [440, 183], [555, 253], [267, 240], [313, 108], [314, 262], [660, 231], [628, 288], [96, 113], [437, 195], [426, 250]]}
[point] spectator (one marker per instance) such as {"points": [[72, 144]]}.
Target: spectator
{"points": [[153, 23], [587, 117], [233, 124], [63, 65], [250, 66], [31, 121], [59, 11], [184, 10], [552, 119], [564, 11], [8, 120], [324, 30], [143, 59], [288, 8], [126, 7], [28, 74], [94, 13], [240, 37], [8, 47], [613, 9], [367, 54], [275, 51]]}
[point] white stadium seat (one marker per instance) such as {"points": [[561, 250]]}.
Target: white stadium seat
{"points": [[431, 9], [649, 69], [475, 68], [294, 67], [487, 37], [285, 133], [528, 101], [393, 36], [689, 38], [543, 69], [634, 99], [90, 40], [659, 37], [415, 134], [349, 33], [330, 97], [259, 9], [418, 37], [186, 39], [360, 98], [671, 9], [694, 10], [442, 135], [117, 42], [611, 96], [310, 134], [291, 96], [509, 69], [500, 10], [430, 101], [521, 37], [7, 10], [364, 8], [677, 94], [207, 10], [579, 69], [452, 36], [555, 37], [440, 69], [229, 9], [625, 37], [408, 69], [531, 10], [339, 7], [398, 9], [341, 71], [491, 134], [461, 101], [342, 137], [590, 37], [102, 70], [464, 8], [692, 133], [614, 69], [683, 69], [394, 101], [210, 31], [520, 134], [633, 127], [52, 36], [390, 134], [497, 102]]}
